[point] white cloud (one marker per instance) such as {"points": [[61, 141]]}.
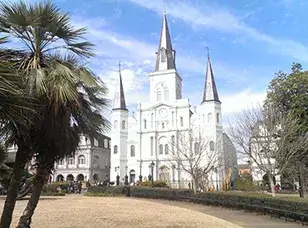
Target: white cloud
{"points": [[234, 103], [222, 20], [139, 61], [135, 78]]}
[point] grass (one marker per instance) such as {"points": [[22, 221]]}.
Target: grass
{"points": [[90, 212]]}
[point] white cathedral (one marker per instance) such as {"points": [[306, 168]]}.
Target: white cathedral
{"points": [[145, 138]]}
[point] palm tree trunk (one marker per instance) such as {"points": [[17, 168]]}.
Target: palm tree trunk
{"points": [[9, 205], [25, 219]]}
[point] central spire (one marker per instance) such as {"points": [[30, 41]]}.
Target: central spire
{"points": [[210, 91], [165, 59]]}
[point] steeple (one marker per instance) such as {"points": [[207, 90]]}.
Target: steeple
{"points": [[165, 59], [119, 99], [210, 91]]}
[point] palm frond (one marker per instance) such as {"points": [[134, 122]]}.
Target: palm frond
{"points": [[41, 27]]}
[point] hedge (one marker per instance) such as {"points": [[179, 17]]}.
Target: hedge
{"points": [[52, 194], [287, 208], [262, 203], [116, 190], [103, 194], [161, 184]]}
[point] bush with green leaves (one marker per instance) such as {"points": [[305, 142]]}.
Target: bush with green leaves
{"points": [[52, 194], [53, 187], [118, 190], [161, 184], [103, 194], [283, 207]]}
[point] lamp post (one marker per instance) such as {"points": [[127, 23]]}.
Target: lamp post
{"points": [[126, 176], [216, 171], [152, 171], [118, 176], [140, 176]]}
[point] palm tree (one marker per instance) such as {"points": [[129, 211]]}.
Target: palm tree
{"points": [[44, 31], [12, 93], [60, 133]]}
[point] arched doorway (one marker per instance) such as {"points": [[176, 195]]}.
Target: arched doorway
{"points": [[95, 177], [60, 178], [132, 176], [80, 177], [164, 174], [70, 177]]}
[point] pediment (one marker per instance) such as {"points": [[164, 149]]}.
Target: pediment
{"points": [[160, 105]]}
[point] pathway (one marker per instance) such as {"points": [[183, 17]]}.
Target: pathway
{"points": [[241, 218]]}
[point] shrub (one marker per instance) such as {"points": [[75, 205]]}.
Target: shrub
{"points": [[102, 194], [52, 194], [245, 185], [118, 190], [157, 184], [238, 200], [53, 187]]}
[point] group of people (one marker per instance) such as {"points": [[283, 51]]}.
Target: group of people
{"points": [[73, 187]]}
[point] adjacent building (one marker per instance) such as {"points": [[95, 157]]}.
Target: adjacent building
{"points": [[90, 162]]}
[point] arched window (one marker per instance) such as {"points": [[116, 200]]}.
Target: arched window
{"points": [[145, 124], [158, 94], [95, 160], [217, 118], [123, 124], [71, 161], [172, 142], [132, 151], [81, 160], [212, 146], [166, 149], [163, 125], [197, 148], [161, 149], [209, 117], [115, 149], [152, 145], [61, 162], [182, 122], [115, 124], [166, 94], [152, 119], [105, 143]]}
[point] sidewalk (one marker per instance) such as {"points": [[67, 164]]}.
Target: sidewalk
{"points": [[241, 218]]}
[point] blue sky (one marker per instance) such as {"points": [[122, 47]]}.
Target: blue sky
{"points": [[249, 41]]}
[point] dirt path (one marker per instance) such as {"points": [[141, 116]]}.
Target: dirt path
{"points": [[246, 220]]}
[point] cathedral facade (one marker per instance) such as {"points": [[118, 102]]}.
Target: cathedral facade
{"points": [[141, 143]]}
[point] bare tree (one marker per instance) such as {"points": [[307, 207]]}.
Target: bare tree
{"points": [[269, 139], [195, 154]]}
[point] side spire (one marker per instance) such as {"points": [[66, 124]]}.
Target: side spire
{"points": [[119, 98], [210, 91], [165, 56]]}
